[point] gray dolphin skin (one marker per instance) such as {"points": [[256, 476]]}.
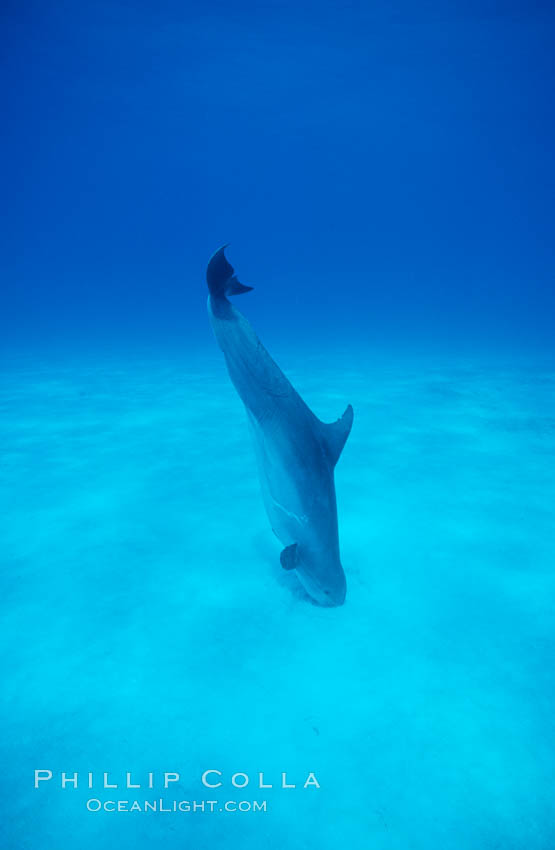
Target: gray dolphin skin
{"points": [[296, 453]]}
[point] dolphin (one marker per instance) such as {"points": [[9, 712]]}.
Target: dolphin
{"points": [[296, 452]]}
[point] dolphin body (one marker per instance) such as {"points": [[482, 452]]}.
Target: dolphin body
{"points": [[296, 452]]}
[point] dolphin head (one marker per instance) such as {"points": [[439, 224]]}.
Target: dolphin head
{"points": [[322, 577], [319, 570]]}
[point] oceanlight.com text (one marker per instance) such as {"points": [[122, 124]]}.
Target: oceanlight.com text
{"points": [[177, 806]]}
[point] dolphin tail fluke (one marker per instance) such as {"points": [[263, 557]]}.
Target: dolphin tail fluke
{"points": [[221, 278]]}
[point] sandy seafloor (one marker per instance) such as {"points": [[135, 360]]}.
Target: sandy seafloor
{"points": [[147, 625]]}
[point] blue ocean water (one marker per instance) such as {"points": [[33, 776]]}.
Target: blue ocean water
{"points": [[151, 628]]}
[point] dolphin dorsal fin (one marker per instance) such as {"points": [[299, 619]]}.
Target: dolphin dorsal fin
{"points": [[335, 434]]}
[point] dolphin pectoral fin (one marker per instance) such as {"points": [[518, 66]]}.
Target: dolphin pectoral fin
{"points": [[335, 434], [289, 558]]}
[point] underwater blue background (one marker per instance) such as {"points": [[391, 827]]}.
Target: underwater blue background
{"points": [[385, 176]]}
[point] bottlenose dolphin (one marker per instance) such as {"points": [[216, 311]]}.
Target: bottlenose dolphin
{"points": [[296, 452]]}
